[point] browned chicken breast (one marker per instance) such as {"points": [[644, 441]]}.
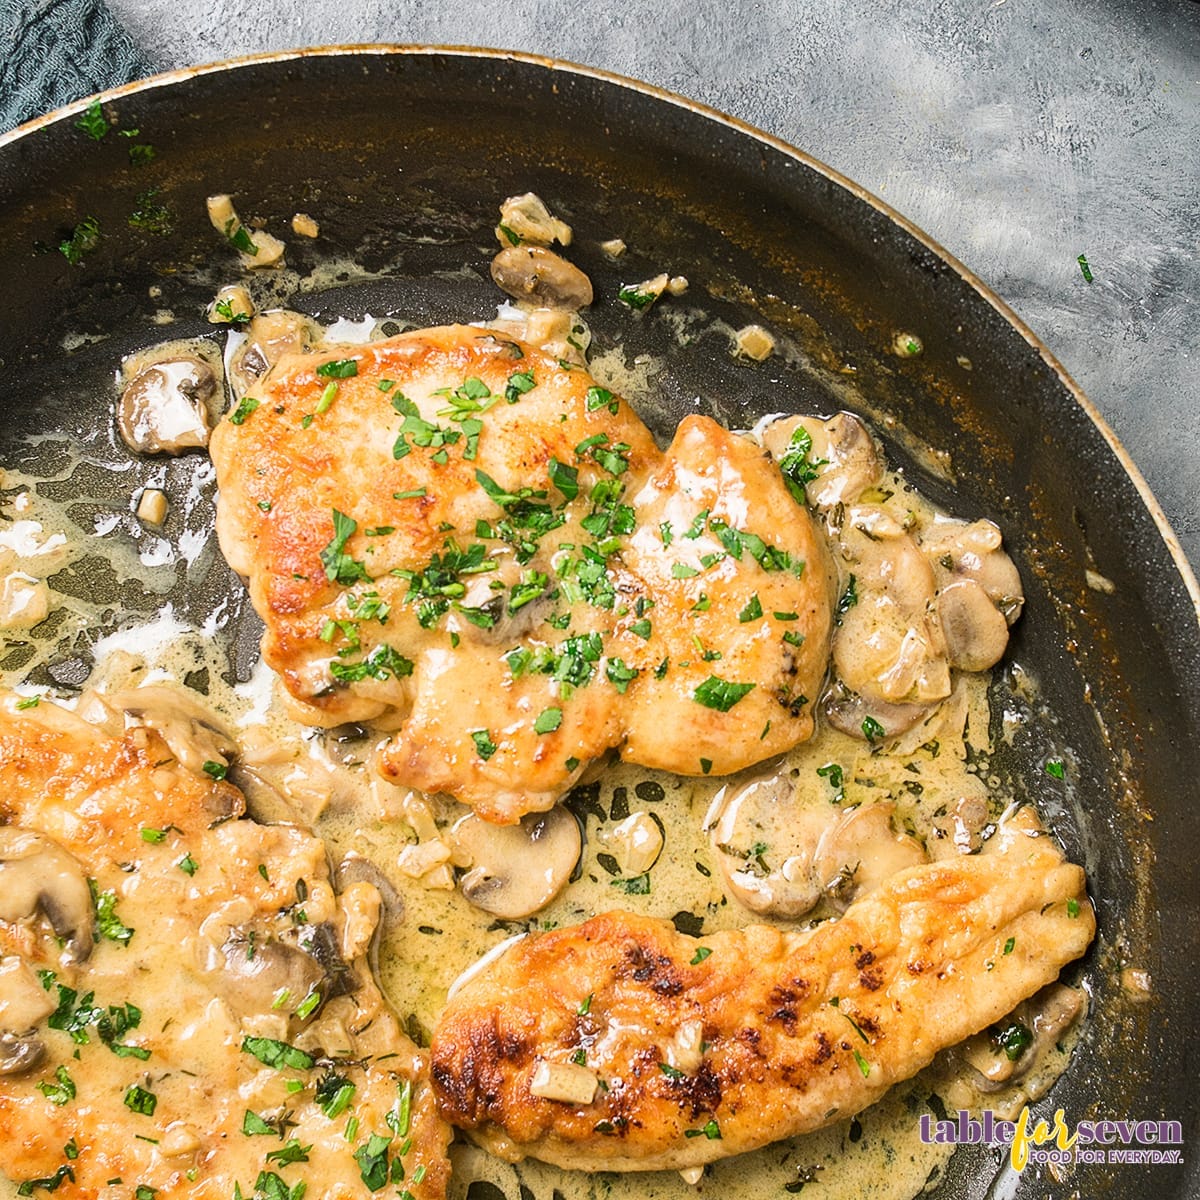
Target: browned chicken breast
{"points": [[184, 1001], [622, 1045], [461, 536]]}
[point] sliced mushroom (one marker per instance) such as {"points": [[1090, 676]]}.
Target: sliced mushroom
{"points": [[1011, 1048], [974, 550], [193, 734], [37, 874], [259, 973], [517, 869], [889, 648], [765, 840], [854, 714], [270, 336], [861, 851], [527, 219], [164, 408], [843, 455], [538, 275], [961, 830], [24, 1004], [975, 630]]}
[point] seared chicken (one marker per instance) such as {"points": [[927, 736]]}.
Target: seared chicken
{"points": [[184, 1001], [458, 534], [622, 1045]]}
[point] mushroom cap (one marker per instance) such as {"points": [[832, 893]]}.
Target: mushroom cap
{"points": [[164, 408], [536, 274], [861, 850], [37, 874], [765, 812], [517, 869]]}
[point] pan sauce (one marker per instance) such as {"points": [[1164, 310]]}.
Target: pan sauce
{"points": [[324, 778]]}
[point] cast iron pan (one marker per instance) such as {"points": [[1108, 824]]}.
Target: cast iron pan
{"points": [[403, 154]]}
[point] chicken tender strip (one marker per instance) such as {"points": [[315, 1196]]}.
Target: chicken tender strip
{"points": [[705, 1048], [465, 539], [215, 1022]]}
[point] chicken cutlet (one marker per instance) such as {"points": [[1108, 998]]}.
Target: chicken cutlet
{"points": [[461, 537], [623, 1045], [185, 1006]]}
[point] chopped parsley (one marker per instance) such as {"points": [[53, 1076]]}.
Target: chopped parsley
{"points": [[484, 746], [253, 1125], [711, 1130], [1055, 769], [340, 368], [50, 1183], [548, 720], [290, 1152], [721, 694], [702, 952], [93, 122], [795, 465], [1084, 267], [224, 308], [565, 478], [382, 663], [619, 674], [518, 384], [108, 922], [633, 297], [333, 1094], [598, 397], [372, 1159], [1072, 907], [188, 865], [85, 237], [139, 1100], [674, 1074], [60, 1093], [1014, 1039], [752, 610], [217, 770], [245, 406], [848, 599], [872, 730], [276, 1054], [863, 1065], [638, 885], [641, 628], [339, 566]]}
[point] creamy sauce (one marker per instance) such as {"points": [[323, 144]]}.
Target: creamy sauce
{"points": [[437, 935]]}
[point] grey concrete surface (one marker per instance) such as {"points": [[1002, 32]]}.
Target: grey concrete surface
{"points": [[1018, 133]]}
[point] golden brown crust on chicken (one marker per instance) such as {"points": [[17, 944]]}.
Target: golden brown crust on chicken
{"points": [[707, 1048], [216, 942], [525, 581]]}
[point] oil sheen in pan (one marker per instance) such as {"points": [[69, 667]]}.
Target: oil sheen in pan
{"points": [[876, 1154]]}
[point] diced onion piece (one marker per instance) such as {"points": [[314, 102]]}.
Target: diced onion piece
{"points": [[566, 1082], [305, 226], [754, 342], [419, 858], [692, 1175], [527, 219], [907, 345], [613, 248], [152, 507], [231, 306], [257, 249], [677, 285]]}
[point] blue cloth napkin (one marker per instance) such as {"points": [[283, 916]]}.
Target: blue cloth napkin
{"points": [[55, 51]]}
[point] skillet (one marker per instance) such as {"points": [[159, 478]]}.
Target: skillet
{"points": [[403, 154]]}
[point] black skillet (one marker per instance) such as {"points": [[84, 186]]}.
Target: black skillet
{"points": [[403, 155]]}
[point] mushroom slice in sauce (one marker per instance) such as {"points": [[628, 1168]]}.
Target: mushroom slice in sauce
{"points": [[861, 851], [765, 841], [1011, 1048], [843, 455], [24, 1004], [189, 728], [538, 275], [38, 875], [517, 869], [270, 336], [164, 408], [974, 550], [889, 649]]}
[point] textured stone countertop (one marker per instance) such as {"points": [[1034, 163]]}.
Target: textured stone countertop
{"points": [[1018, 133]]}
